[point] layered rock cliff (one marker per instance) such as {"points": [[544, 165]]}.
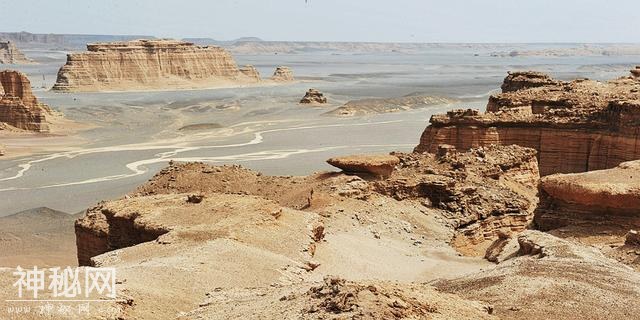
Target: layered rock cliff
{"points": [[9, 54], [19, 108], [150, 64], [575, 126]]}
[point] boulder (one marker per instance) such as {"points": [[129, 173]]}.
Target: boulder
{"points": [[378, 165]]}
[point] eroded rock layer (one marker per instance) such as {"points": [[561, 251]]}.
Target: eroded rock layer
{"points": [[313, 96], [575, 126], [150, 64], [9, 54], [19, 108], [454, 184], [603, 197], [545, 277], [282, 74]]}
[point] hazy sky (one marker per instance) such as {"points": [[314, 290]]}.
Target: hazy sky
{"points": [[336, 20]]}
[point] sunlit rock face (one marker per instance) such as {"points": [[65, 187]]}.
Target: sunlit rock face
{"points": [[19, 108], [9, 54], [575, 126], [151, 65]]}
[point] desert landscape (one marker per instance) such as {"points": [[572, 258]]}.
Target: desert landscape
{"points": [[291, 179]]}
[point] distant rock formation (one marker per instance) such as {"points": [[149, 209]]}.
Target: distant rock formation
{"points": [[282, 74], [18, 106], [251, 72], [636, 72], [387, 105], [149, 65], [576, 126], [609, 196], [526, 79], [313, 96], [9, 54]]}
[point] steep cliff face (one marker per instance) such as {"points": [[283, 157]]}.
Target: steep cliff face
{"points": [[575, 126], [9, 54], [18, 106], [150, 64]]}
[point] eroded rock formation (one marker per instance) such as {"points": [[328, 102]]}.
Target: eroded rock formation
{"points": [[282, 74], [251, 72], [575, 126], [544, 272], [150, 64], [378, 165], [19, 108], [9, 54], [388, 105], [603, 197], [231, 228], [313, 96]]}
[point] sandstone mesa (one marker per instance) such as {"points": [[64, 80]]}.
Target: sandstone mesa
{"points": [[19, 108], [151, 65]]}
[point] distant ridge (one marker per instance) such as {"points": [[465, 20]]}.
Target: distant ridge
{"points": [[64, 41]]}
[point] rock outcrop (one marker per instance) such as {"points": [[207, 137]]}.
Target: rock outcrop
{"points": [[485, 192], [234, 231], [282, 74], [19, 108], [525, 80], [377, 165], [150, 64], [9, 54], [575, 126], [251, 72], [388, 105], [551, 278], [313, 96], [336, 298], [636, 72], [603, 197]]}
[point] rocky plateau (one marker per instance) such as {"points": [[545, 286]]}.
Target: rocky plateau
{"points": [[575, 126], [154, 65]]}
